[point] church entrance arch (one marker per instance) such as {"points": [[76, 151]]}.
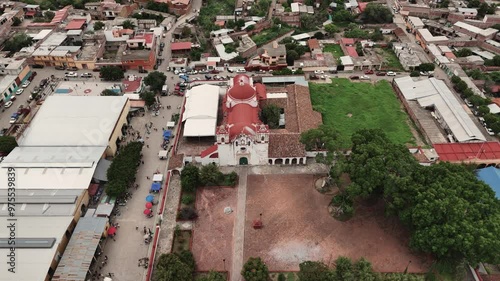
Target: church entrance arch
{"points": [[243, 161]]}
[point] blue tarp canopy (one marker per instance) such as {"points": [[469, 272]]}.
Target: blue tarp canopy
{"points": [[490, 176], [167, 134], [156, 186]]}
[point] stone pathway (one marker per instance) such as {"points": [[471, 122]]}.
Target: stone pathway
{"points": [[169, 216], [239, 226]]}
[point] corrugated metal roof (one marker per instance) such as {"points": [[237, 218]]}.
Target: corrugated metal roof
{"points": [[464, 152]]}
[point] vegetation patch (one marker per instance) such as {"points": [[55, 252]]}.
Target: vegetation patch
{"points": [[182, 239], [348, 107], [267, 35], [391, 61], [334, 49]]}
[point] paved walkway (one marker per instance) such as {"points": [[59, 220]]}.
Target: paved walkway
{"points": [[169, 216], [239, 226]]}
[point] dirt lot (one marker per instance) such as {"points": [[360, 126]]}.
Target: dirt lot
{"points": [[297, 227], [213, 231]]}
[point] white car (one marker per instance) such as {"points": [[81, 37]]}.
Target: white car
{"points": [[390, 73], [364, 77], [490, 131], [12, 120], [26, 84], [241, 70], [319, 72], [20, 91], [468, 103], [86, 75], [8, 104], [71, 74], [424, 73]]}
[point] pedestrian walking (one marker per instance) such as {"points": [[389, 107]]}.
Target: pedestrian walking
{"points": [[145, 231], [147, 178], [105, 258], [136, 228], [142, 162], [147, 145]]}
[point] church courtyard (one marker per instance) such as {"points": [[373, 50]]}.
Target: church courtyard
{"points": [[297, 227]]}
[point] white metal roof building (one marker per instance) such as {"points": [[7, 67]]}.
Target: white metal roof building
{"points": [[476, 30], [37, 241], [200, 114], [434, 93], [57, 167], [74, 121]]}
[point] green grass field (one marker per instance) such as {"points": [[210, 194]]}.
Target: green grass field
{"points": [[372, 107], [334, 49], [391, 60]]}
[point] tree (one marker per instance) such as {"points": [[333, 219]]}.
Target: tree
{"points": [[148, 97], [7, 144], [255, 270], [17, 42], [171, 268], [98, 25], [16, 21], [363, 271], [211, 175], [376, 13], [464, 52], [483, 109], [319, 35], [111, 73], [281, 277], [155, 80], [414, 74], [128, 24], [341, 16], [186, 31], [461, 86], [213, 276], [108, 92], [344, 269], [322, 138], [231, 24], [377, 35], [190, 178], [331, 28], [426, 67], [188, 259], [116, 188], [455, 79], [314, 271], [270, 115], [48, 16], [156, 6]]}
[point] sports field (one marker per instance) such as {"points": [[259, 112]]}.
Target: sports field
{"points": [[350, 106]]}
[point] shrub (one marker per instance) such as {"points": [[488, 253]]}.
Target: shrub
{"points": [[187, 258], [414, 74], [190, 178], [231, 179], [187, 213], [281, 277], [255, 270], [187, 199]]}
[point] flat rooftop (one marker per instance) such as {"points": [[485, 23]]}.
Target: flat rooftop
{"points": [[34, 259], [74, 121]]}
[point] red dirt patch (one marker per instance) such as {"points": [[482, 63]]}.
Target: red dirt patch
{"points": [[213, 230], [297, 227]]}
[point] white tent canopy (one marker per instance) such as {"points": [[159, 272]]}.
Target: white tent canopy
{"points": [[200, 115], [157, 177]]}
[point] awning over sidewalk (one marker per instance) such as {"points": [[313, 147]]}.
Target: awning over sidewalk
{"points": [[156, 186], [102, 170]]}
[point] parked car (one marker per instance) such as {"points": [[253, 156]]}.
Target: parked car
{"points": [[33, 75], [482, 121], [72, 68], [369, 72], [468, 103], [354, 77], [364, 77], [490, 131], [97, 69], [230, 70], [38, 66], [60, 67], [26, 84], [43, 82], [36, 90], [142, 70], [86, 75], [162, 45], [215, 71], [3, 132], [8, 104], [71, 74], [319, 72], [381, 73], [391, 73], [19, 91], [333, 71], [424, 73]]}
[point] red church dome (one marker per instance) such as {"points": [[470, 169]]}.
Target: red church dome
{"points": [[241, 90]]}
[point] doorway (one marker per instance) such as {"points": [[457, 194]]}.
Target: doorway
{"points": [[243, 161]]}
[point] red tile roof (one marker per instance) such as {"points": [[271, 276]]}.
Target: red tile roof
{"points": [[347, 41], [178, 46], [450, 55], [313, 43], [132, 86], [459, 152], [148, 37], [285, 145], [60, 15], [362, 6], [208, 151], [75, 24], [351, 51]]}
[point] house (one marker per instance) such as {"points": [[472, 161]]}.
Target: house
{"points": [[180, 48], [347, 63], [14, 72], [425, 37], [109, 9], [409, 60], [271, 56], [468, 13], [414, 24], [177, 7], [314, 45], [30, 11], [247, 47], [475, 32]]}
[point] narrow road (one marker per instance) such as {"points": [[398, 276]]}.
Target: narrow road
{"points": [[239, 226]]}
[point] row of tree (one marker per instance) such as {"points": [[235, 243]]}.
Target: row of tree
{"points": [[7, 144], [451, 214], [122, 171], [480, 103], [193, 177], [181, 267]]}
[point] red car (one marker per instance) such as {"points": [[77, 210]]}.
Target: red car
{"points": [[381, 73], [215, 71], [369, 71]]}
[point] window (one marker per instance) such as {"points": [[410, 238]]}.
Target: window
{"points": [[243, 149]]}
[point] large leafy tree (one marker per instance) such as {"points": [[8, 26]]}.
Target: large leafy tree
{"points": [[314, 271], [377, 13], [211, 175], [190, 178], [148, 97], [122, 171], [17, 42], [171, 268], [213, 276], [155, 80], [270, 115], [111, 73], [255, 270], [7, 144]]}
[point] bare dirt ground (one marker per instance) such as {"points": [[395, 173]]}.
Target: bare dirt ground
{"points": [[297, 227], [213, 230]]}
